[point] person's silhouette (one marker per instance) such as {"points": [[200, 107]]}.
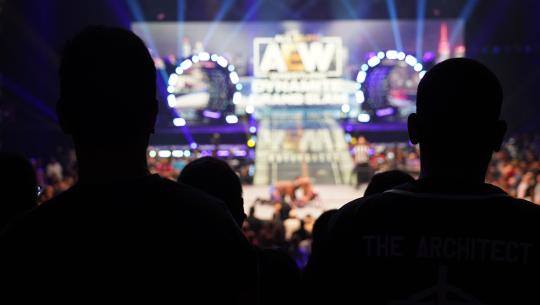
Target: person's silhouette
{"points": [[279, 275], [215, 177], [121, 232], [382, 182], [320, 228], [447, 238], [18, 187]]}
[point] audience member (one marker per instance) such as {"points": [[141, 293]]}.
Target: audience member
{"points": [[320, 228], [122, 234], [385, 181], [215, 177], [447, 237], [279, 274]]}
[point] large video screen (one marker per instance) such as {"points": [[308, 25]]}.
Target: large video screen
{"points": [[366, 70]]}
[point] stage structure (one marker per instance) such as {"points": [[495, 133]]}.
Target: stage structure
{"points": [[293, 90]]}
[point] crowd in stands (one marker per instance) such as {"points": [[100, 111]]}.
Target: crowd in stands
{"points": [[170, 167], [515, 168]]}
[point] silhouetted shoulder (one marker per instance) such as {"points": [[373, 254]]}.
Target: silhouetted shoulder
{"points": [[147, 198], [280, 277], [149, 233], [423, 195], [393, 243]]}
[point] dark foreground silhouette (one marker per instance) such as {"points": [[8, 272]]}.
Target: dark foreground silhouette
{"points": [[385, 181], [279, 275], [121, 233], [18, 187], [447, 238]]}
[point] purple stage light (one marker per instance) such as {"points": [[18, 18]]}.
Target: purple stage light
{"points": [[211, 114], [223, 153], [428, 56], [240, 153], [384, 112], [205, 153]]}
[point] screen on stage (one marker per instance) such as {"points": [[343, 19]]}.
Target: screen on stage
{"points": [[361, 70]]}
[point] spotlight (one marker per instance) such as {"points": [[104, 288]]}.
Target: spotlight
{"points": [[193, 145], [179, 122], [222, 61], [231, 119], [177, 153], [384, 112], [171, 100], [392, 54], [237, 96], [411, 60], [222, 153], [173, 79], [364, 117], [360, 98], [211, 114], [234, 77], [152, 154], [204, 56], [186, 64], [164, 153], [240, 153], [373, 61], [250, 109], [251, 143], [361, 77], [253, 129], [345, 108]]}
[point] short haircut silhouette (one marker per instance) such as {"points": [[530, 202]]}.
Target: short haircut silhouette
{"points": [[121, 231], [320, 228], [107, 86], [458, 101], [385, 181], [216, 177]]}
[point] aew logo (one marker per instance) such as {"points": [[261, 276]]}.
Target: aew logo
{"points": [[296, 53]]}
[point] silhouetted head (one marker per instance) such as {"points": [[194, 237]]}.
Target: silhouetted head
{"points": [[18, 187], [385, 181], [457, 121], [215, 177], [107, 88], [320, 228]]}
